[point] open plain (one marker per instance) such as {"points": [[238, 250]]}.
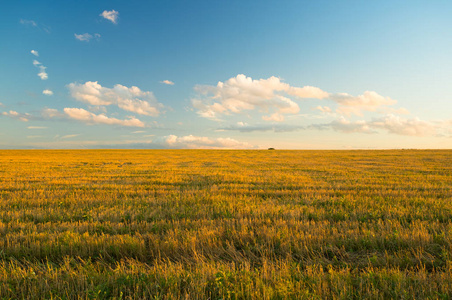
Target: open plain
{"points": [[217, 224]]}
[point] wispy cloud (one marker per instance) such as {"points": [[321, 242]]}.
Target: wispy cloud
{"points": [[346, 126], [324, 109], [28, 22], [36, 127], [69, 136], [32, 23], [245, 127], [86, 37], [42, 74], [130, 99], [167, 82], [34, 52], [47, 92], [89, 118], [111, 15]]}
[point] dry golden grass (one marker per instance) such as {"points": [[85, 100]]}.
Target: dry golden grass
{"points": [[195, 224]]}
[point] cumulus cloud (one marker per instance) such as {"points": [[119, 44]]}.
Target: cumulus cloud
{"points": [[368, 101], [242, 93], [397, 125], [47, 92], [24, 117], [276, 117], [34, 52], [111, 15], [86, 37], [199, 142], [42, 74], [130, 99], [50, 113], [87, 117], [277, 99], [167, 82], [390, 123]]}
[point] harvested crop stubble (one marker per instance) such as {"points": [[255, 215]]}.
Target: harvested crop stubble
{"points": [[174, 224]]}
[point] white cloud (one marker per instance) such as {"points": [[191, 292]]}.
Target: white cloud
{"points": [[397, 125], [111, 15], [324, 109], [36, 127], [368, 101], [306, 92], [168, 82], [50, 113], [42, 74], [87, 117], [34, 24], [347, 126], [34, 52], [34, 136], [198, 142], [277, 99], [276, 117], [18, 116], [68, 136], [390, 123], [130, 99], [138, 131], [245, 127], [242, 93], [28, 22], [47, 92], [85, 37]]}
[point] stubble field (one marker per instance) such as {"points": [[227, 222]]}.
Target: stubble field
{"points": [[214, 224]]}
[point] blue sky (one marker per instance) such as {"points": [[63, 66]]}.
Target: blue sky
{"points": [[226, 74]]}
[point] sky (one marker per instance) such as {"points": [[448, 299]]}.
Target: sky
{"points": [[233, 74]]}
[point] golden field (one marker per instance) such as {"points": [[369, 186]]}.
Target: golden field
{"points": [[214, 224]]}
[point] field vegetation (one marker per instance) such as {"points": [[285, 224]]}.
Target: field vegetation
{"points": [[214, 224]]}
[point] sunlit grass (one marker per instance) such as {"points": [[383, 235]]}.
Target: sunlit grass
{"points": [[225, 224]]}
